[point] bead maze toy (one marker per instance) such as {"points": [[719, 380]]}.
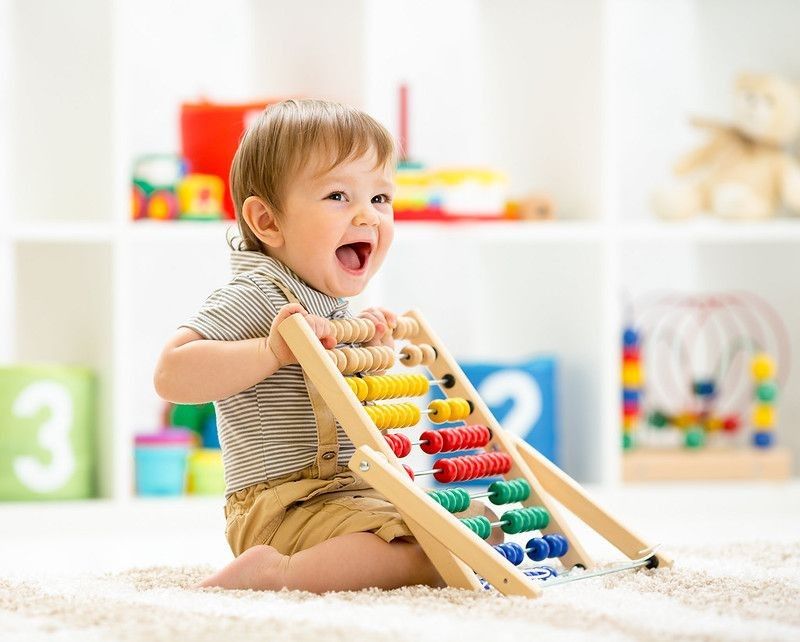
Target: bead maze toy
{"points": [[701, 374], [353, 382]]}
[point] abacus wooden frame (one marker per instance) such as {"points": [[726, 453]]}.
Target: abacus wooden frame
{"points": [[456, 552]]}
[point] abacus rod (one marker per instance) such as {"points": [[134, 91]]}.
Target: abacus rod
{"points": [[585, 575], [427, 472]]}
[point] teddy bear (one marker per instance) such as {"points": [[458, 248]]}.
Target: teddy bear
{"points": [[746, 170]]}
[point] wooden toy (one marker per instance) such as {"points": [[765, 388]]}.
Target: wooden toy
{"points": [[354, 384], [708, 369]]}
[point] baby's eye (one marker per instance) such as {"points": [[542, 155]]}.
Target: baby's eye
{"points": [[381, 198], [336, 196]]}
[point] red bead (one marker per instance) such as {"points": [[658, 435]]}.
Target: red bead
{"points": [[447, 470], [630, 353], [405, 445], [630, 409], [409, 471], [730, 424], [434, 440], [447, 440]]}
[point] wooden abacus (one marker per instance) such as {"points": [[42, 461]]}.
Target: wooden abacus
{"points": [[352, 379]]}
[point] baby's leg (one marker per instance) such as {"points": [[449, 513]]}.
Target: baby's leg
{"points": [[348, 562]]}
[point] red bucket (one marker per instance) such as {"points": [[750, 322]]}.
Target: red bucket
{"points": [[210, 134]]}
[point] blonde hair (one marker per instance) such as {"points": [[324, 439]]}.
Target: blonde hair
{"points": [[284, 136]]}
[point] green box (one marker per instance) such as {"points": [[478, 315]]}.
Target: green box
{"points": [[47, 432]]}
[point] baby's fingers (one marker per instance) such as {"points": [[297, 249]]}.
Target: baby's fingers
{"points": [[323, 329]]}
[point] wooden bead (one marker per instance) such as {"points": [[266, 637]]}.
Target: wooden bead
{"points": [[367, 330], [428, 354], [351, 361], [389, 352], [413, 354], [413, 327], [401, 329], [369, 360]]}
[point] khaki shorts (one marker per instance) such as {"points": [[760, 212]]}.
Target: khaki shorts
{"points": [[298, 511]]}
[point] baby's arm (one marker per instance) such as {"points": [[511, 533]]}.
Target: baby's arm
{"points": [[197, 370]]}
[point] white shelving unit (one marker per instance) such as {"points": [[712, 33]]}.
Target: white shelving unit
{"points": [[587, 100]]}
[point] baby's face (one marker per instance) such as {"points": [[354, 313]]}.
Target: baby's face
{"points": [[338, 226]]}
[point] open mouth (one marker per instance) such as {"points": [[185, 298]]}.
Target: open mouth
{"points": [[354, 256]]}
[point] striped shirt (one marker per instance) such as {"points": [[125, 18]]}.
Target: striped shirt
{"points": [[268, 430]]}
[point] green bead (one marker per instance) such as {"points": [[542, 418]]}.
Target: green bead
{"points": [[695, 437], [462, 499], [512, 522], [658, 419], [543, 517], [767, 391], [435, 496], [479, 525], [484, 527], [500, 492], [524, 489]]}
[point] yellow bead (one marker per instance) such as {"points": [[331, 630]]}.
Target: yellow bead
{"points": [[714, 424], [762, 367], [629, 422], [632, 375], [684, 420], [441, 411], [362, 389], [763, 416]]}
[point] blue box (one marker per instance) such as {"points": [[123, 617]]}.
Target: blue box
{"points": [[522, 397]]}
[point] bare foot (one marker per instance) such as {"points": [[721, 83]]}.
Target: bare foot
{"points": [[259, 568]]}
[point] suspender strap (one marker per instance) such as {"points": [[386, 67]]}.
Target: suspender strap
{"points": [[327, 440]]}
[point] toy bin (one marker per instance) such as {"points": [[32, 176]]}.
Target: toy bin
{"points": [[205, 472], [161, 461], [47, 432], [210, 134]]}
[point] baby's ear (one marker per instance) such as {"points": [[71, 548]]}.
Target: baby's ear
{"points": [[261, 219]]}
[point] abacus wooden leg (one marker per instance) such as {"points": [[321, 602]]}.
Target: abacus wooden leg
{"points": [[568, 492], [439, 524]]}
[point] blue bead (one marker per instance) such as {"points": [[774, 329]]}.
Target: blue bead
{"points": [[631, 395], [511, 551], [558, 544], [763, 439], [538, 549], [630, 337], [704, 387]]}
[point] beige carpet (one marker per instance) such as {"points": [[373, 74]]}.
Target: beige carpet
{"points": [[743, 591]]}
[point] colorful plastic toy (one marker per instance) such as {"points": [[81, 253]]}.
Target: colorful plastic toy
{"points": [[155, 182], [200, 197], [702, 356]]}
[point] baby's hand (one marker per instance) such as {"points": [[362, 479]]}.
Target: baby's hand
{"points": [[319, 326], [385, 322]]}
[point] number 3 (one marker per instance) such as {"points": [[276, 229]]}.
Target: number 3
{"points": [[53, 436]]}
